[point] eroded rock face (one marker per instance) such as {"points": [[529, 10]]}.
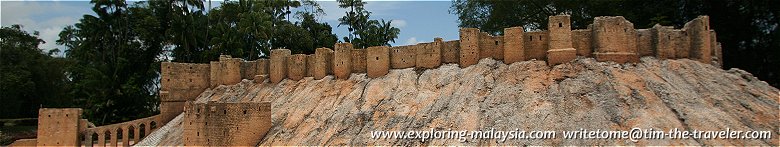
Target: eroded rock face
{"points": [[528, 95]]}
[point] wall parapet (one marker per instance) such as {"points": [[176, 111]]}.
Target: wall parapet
{"points": [[64, 127], [609, 38], [225, 123]]}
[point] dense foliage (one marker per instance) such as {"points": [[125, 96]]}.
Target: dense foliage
{"points": [[29, 77], [748, 30], [365, 32], [112, 59]]}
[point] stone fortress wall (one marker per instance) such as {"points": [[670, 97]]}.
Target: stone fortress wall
{"points": [[64, 127], [609, 38]]}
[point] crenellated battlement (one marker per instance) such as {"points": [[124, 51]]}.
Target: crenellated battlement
{"points": [[609, 38]]}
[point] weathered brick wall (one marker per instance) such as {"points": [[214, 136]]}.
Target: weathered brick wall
{"points": [[560, 46], [536, 45], [342, 60], [681, 44], [322, 66], [379, 59], [559, 32], [296, 67], [180, 82], [469, 47], [403, 56], [662, 42], [183, 81], [491, 46], [310, 59], [58, 126], [358, 61], [278, 65], [699, 32], [429, 54], [450, 51], [645, 42], [614, 39], [169, 109], [226, 124], [262, 66], [228, 71], [248, 69], [581, 40], [514, 46], [717, 53]]}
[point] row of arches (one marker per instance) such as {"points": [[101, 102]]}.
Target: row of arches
{"points": [[125, 134]]}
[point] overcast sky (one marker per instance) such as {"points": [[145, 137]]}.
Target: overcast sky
{"points": [[419, 21]]}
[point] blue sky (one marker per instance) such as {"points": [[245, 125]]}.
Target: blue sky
{"points": [[419, 21]]}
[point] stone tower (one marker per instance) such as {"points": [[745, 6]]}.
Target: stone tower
{"points": [[614, 39], [560, 48]]}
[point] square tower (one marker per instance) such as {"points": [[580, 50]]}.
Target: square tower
{"points": [[514, 50], [342, 60], [469, 46], [323, 63], [560, 48], [614, 39], [699, 33], [58, 126]]}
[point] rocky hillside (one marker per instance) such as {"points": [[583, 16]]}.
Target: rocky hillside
{"points": [[660, 94]]}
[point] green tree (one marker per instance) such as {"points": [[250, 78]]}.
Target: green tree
{"points": [[321, 33], [363, 31], [748, 30], [30, 77], [240, 29], [115, 65]]}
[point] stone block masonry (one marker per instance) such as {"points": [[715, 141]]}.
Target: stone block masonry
{"points": [[581, 40], [278, 67], [296, 67], [310, 59], [491, 46], [59, 127], [243, 124], [379, 59], [614, 40], [358, 61], [662, 42], [450, 51], [323, 63], [469, 47], [536, 45], [342, 60], [403, 56], [225, 124], [560, 47], [429, 54], [514, 48], [700, 45], [644, 42], [262, 66], [226, 72]]}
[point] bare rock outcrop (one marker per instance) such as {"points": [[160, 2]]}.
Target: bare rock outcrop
{"points": [[528, 95]]}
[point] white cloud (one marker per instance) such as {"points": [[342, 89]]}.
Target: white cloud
{"points": [[48, 18], [411, 41], [398, 23]]}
